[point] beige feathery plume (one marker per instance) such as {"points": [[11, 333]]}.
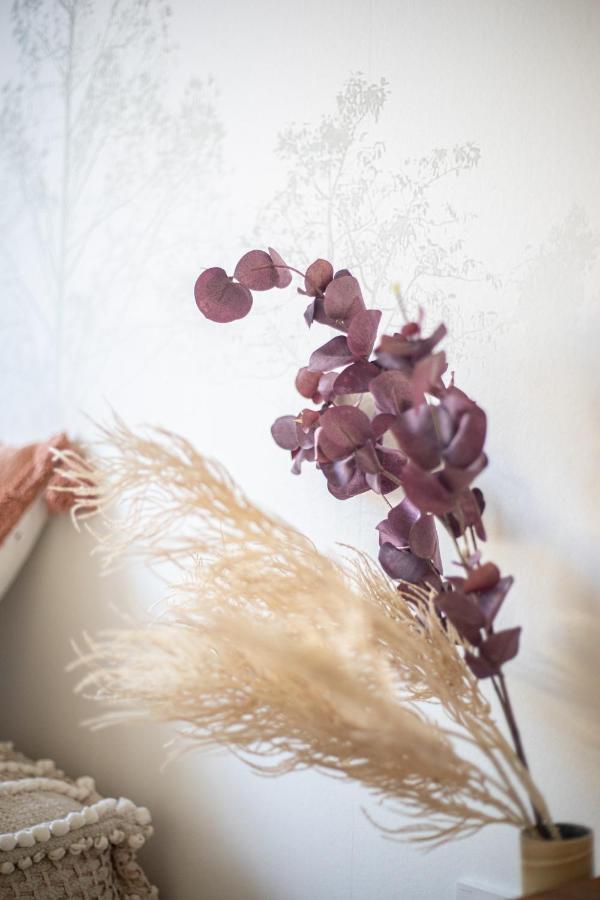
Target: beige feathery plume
{"points": [[287, 657]]}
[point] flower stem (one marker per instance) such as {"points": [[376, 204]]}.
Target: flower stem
{"points": [[505, 702]]}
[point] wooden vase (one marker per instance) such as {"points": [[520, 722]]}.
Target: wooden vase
{"points": [[547, 864]]}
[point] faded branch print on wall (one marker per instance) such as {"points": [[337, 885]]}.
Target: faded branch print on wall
{"points": [[389, 220], [100, 171]]}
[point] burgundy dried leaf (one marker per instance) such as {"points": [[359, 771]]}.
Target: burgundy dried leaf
{"points": [[462, 611], [479, 499], [382, 423], [377, 483], [307, 382], [356, 485], [479, 666], [362, 331], [436, 559], [332, 355], [219, 299], [315, 312], [391, 392], [343, 430], [470, 423], [308, 420], [283, 276], [415, 432], [467, 444], [318, 275], [425, 491], [467, 513], [410, 329], [423, 539], [501, 646], [403, 565], [367, 459], [343, 298], [426, 345], [355, 379], [389, 362], [299, 456], [427, 376], [395, 529], [340, 473], [386, 534], [394, 345], [306, 439], [255, 271], [392, 469], [327, 383], [261, 271], [483, 578], [457, 479], [309, 314], [453, 524], [491, 601], [458, 403], [397, 347], [285, 432]]}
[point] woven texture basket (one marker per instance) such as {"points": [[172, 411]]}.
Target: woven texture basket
{"points": [[60, 839]]}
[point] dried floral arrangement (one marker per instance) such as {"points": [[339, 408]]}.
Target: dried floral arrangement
{"points": [[288, 657]]}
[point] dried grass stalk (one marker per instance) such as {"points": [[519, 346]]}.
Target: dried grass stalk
{"points": [[283, 655]]}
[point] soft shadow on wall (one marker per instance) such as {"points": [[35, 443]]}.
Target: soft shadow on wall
{"points": [[56, 600]]}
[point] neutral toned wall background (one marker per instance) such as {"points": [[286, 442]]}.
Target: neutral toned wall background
{"points": [[139, 143]]}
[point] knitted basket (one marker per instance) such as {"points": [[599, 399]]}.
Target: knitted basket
{"points": [[60, 839]]}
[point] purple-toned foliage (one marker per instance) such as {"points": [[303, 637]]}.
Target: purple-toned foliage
{"points": [[219, 298], [387, 421]]}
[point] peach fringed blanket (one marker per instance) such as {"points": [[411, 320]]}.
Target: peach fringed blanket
{"points": [[25, 473]]}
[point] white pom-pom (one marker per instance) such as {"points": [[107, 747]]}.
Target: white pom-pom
{"points": [[75, 820], [136, 841], [142, 816], [7, 842], [41, 833], [87, 783], [25, 838], [124, 805], [90, 815], [60, 827]]}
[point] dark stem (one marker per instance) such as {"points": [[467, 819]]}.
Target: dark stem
{"points": [[473, 538], [505, 702]]}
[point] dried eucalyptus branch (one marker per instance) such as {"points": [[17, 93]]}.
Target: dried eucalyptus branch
{"points": [[426, 437]]}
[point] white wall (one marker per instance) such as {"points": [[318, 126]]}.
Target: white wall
{"points": [[157, 191]]}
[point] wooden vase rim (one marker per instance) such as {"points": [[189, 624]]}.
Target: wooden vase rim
{"points": [[568, 832]]}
